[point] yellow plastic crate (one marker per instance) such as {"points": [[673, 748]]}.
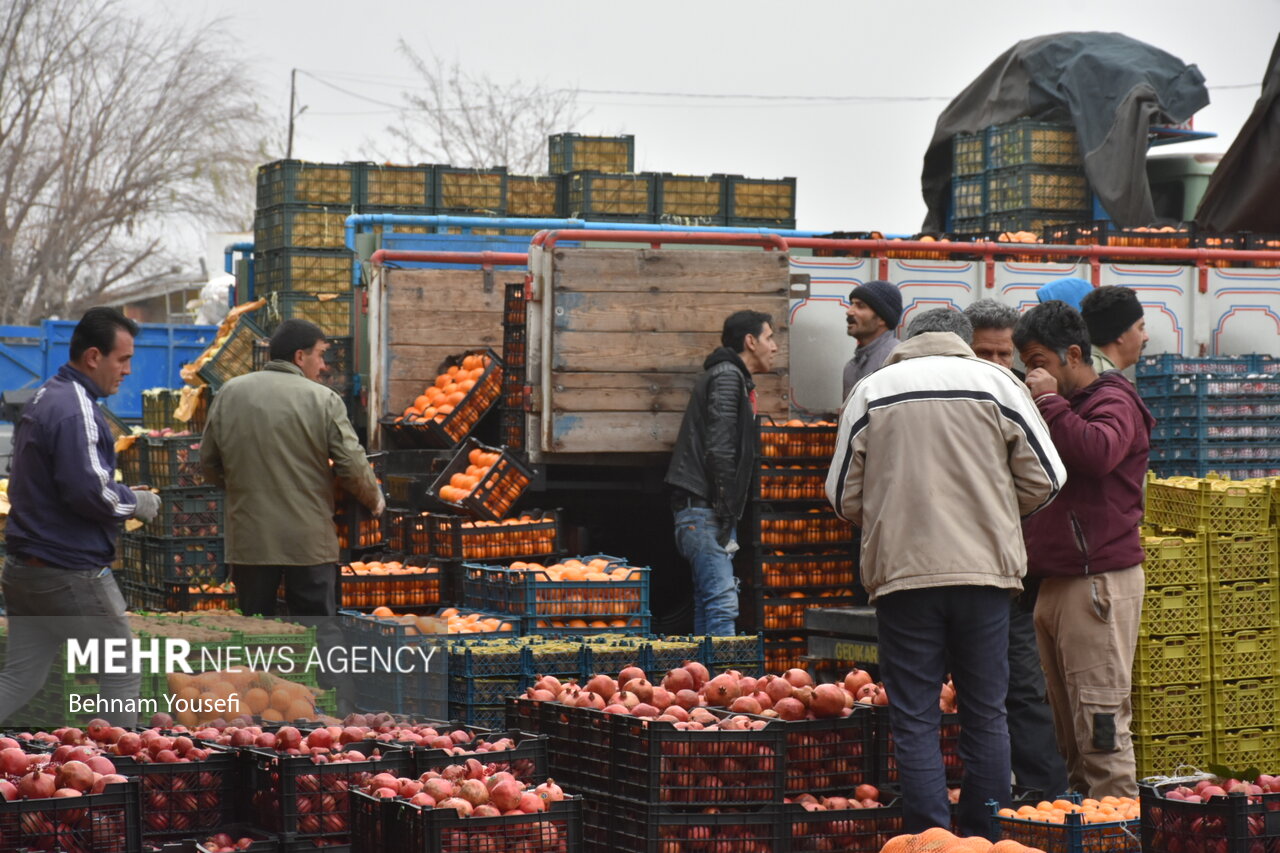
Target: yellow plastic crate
{"points": [[1244, 606], [1168, 709], [1181, 659], [1210, 503], [1243, 704], [1176, 610], [1244, 748], [1241, 655], [1173, 560], [1161, 756], [1241, 557]]}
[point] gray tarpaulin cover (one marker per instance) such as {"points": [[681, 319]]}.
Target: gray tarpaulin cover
{"points": [[1111, 87], [1243, 192]]}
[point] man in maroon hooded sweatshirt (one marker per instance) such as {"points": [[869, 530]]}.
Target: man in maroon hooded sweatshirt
{"points": [[1086, 547]]}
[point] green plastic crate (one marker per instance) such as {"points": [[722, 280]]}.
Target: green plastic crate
{"points": [[1241, 655], [1169, 709], [1241, 557], [1174, 560], [1161, 756], [1243, 606], [1175, 610], [1243, 704], [1253, 747], [1180, 659]]}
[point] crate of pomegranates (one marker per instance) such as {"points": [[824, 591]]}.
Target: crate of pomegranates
{"points": [[522, 754], [463, 808], [104, 817], [1208, 813], [308, 793]]}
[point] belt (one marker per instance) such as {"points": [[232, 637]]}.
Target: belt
{"points": [[687, 501], [33, 561]]}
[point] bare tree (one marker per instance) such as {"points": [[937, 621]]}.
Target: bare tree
{"points": [[115, 135], [472, 120]]}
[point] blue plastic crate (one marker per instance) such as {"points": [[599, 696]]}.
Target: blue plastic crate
{"points": [[484, 716], [530, 593], [489, 659], [1165, 363], [486, 691], [1215, 429], [1201, 468], [1206, 385], [1164, 408], [1230, 452]]}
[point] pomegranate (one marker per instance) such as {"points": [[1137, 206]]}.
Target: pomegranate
{"points": [[688, 699], [827, 701], [603, 685], [631, 672], [439, 788], [36, 785], [745, 705], [721, 690], [679, 679], [549, 791], [590, 700], [699, 673], [798, 678], [640, 687], [474, 792], [789, 709], [76, 775], [661, 699], [855, 679], [13, 761], [626, 700], [531, 803], [461, 806], [506, 794]]}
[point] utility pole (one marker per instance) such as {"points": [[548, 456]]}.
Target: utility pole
{"points": [[293, 92]]}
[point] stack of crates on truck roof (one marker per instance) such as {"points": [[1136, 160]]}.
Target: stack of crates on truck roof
{"points": [[800, 554], [1018, 176], [514, 358], [1204, 673], [1213, 414]]}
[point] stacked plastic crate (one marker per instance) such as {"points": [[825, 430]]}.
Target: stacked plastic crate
{"points": [[514, 357], [800, 554], [1207, 653], [1212, 414], [1019, 176]]}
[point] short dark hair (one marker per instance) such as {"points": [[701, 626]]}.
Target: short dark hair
{"points": [[293, 335], [989, 314], [1054, 325], [739, 324], [942, 320], [1107, 302], [97, 329]]}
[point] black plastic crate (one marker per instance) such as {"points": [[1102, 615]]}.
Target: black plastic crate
{"points": [[295, 226], [804, 572], [788, 531], [526, 760], [831, 756], [1104, 232], [1262, 243], [187, 560], [300, 182], [160, 406], [610, 197], [949, 735], [514, 346], [1030, 219], [621, 826], [530, 592], [580, 754], [180, 800], [1208, 240], [968, 154], [185, 597], [497, 491], [791, 484], [851, 830], [142, 597], [407, 828], [797, 441], [762, 200], [397, 186], [357, 526], [263, 842], [303, 271], [1029, 186], [1029, 142], [422, 584], [969, 198], [94, 823], [574, 152], [511, 429], [410, 491], [277, 783], [534, 195], [235, 356], [455, 426], [333, 311], [470, 191], [692, 199], [452, 537], [194, 511], [787, 613], [513, 305]]}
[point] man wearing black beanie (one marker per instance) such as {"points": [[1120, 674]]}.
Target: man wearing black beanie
{"points": [[875, 308], [1117, 329]]}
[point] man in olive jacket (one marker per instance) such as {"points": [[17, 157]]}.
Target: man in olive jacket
{"points": [[270, 441], [712, 464]]}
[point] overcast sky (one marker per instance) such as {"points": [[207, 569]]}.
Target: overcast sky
{"points": [[857, 163]]}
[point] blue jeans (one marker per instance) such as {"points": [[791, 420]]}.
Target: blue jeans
{"points": [[715, 589], [919, 630], [46, 607]]}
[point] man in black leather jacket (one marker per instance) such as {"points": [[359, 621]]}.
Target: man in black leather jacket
{"points": [[712, 464]]}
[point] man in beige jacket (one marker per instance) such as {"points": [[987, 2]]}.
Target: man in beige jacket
{"points": [[938, 458], [270, 441]]}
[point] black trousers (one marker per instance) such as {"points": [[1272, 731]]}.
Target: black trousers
{"points": [[1035, 758], [311, 597]]}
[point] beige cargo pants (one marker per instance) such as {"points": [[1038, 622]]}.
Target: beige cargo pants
{"points": [[1087, 630]]}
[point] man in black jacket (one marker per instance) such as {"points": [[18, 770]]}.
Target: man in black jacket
{"points": [[712, 464]]}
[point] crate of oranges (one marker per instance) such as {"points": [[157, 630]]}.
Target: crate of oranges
{"points": [[385, 626], [484, 481], [591, 589], [448, 409], [371, 583], [533, 533], [1074, 825], [797, 439]]}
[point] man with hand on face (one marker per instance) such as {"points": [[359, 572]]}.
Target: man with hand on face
{"points": [[1086, 548], [874, 311], [1032, 755], [1117, 329], [715, 457]]}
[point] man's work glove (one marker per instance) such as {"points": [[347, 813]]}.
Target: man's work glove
{"points": [[148, 505]]}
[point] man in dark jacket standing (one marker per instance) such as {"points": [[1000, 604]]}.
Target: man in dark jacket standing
{"points": [[1086, 547], [711, 467], [67, 511]]}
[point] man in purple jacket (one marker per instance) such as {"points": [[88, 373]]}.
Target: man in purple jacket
{"points": [[66, 511], [1086, 547]]}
